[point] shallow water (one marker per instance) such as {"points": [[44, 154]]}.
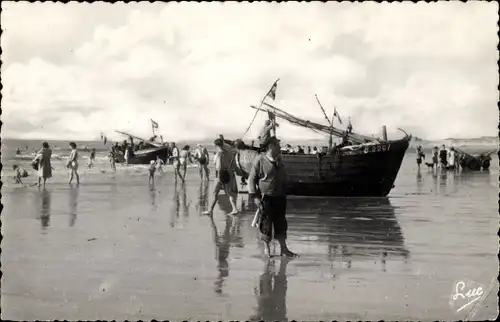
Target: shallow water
{"points": [[114, 249]]}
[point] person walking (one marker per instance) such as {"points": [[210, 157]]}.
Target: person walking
{"points": [[91, 158], [43, 164], [266, 185], [201, 155], [72, 164], [226, 180]]}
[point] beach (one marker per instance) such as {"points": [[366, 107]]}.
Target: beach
{"points": [[114, 249]]}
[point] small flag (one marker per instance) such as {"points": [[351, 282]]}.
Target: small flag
{"points": [[336, 114], [272, 91], [155, 125]]}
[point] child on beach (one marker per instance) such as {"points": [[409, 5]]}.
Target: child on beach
{"points": [[152, 170], [19, 173], [91, 158], [159, 164]]}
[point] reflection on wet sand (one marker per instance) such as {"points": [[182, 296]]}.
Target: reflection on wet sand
{"points": [[203, 197], [271, 293], [351, 228], [231, 237], [45, 208], [73, 205]]}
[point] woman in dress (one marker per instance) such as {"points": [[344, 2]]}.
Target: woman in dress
{"points": [[44, 166], [73, 163]]}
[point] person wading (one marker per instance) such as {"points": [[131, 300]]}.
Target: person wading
{"points": [[72, 164], [175, 161], [43, 164], [266, 184], [420, 155], [226, 180], [202, 156], [443, 156]]}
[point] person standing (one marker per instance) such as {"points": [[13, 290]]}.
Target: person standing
{"points": [[44, 165], [443, 155], [91, 158], [435, 157], [266, 184], [152, 169], [159, 164], [202, 156], [184, 157], [175, 161], [451, 159], [72, 164], [420, 156], [226, 180], [265, 133]]}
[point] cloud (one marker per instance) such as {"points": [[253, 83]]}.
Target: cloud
{"points": [[195, 68]]}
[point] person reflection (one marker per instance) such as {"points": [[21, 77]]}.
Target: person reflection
{"points": [[176, 208], [271, 297], [222, 246], [203, 196], [73, 204], [183, 201], [45, 210]]}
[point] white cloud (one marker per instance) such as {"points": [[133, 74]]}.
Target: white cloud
{"points": [[195, 68]]}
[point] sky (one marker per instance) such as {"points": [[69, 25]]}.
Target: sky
{"points": [[78, 69]]}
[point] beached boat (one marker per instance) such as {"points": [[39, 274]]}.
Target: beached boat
{"points": [[365, 167], [475, 162], [148, 150]]}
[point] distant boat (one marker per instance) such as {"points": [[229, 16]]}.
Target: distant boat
{"points": [[148, 151], [366, 167]]}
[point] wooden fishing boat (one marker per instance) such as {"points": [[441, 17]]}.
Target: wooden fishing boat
{"points": [[475, 162], [148, 151], [366, 167]]}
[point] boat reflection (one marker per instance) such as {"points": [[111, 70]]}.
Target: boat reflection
{"points": [[271, 292], [351, 228]]}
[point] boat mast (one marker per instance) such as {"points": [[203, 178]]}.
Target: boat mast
{"points": [[354, 137]]}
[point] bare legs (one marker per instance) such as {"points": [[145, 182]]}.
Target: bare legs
{"points": [[177, 173], [232, 198], [72, 173], [204, 168]]}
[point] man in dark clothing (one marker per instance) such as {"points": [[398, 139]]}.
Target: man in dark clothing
{"points": [[443, 156], [266, 184]]}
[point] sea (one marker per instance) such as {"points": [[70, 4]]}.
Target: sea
{"points": [[115, 248]]}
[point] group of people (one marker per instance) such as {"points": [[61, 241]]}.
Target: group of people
{"points": [[266, 182], [42, 163], [441, 158]]}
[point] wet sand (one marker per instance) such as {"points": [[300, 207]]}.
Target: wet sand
{"points": [[114, 249]]}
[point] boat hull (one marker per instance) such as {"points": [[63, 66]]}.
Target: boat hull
{"points": [[145, 156], [367, 170]]}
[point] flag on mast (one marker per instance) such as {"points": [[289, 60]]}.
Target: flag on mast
{"points": [[336, 114], [272, 92], [154, 124]]}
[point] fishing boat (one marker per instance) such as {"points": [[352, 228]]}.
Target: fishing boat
{"points": [[144, 151], [361, 167], [475, 162]]}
